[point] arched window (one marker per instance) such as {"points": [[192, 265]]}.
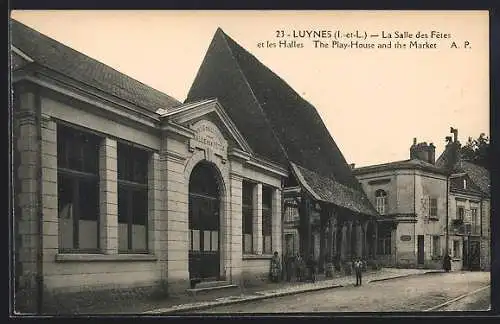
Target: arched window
{"points": [[381, 201]]}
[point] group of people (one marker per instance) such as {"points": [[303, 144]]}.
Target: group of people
{"points": [[305, 270]]}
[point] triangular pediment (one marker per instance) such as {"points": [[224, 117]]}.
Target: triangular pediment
{"points": [[207, 115]]}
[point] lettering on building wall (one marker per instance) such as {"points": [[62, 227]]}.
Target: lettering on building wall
{"points": [[208, 138], [405, 238]]}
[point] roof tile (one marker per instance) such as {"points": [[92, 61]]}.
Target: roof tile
{"points": [[65, 60]]}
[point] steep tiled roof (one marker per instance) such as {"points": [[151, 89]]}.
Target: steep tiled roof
{"points": [[404, 164], [452, 160], [449, 156], [60, 58], [479, 175], [330, 191], [277, 123]]}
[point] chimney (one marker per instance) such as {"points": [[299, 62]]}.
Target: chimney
{"points": [[452, 148], [352, 165], [422, 151], [455, 134], [432, 153]]}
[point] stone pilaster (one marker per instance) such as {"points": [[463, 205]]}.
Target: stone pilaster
{"points": [[27, 187], [155, 197], [257, 219], [276, 221], [333, 237], [160, 223], [365, 239], [236, 228], [108, 196], [349, 249], [176, 247], [344, 245], [359, 239]]}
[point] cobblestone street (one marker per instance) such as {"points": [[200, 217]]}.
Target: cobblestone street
{"points": [[417, 293]]}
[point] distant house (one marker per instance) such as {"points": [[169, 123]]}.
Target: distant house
{"points": [[122, 190], [411, 194], [431, 207], [470, 209]]}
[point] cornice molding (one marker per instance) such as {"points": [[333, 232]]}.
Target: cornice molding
{"points": [[172, 128], [93, 97], [264, 165], [191, 111], [174, 157]]}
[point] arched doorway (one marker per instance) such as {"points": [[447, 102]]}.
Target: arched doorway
{"points": [[204, 223]]}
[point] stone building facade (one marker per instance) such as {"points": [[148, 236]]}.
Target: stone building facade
{"points": [[412, 196], [122, 191], [469, 208], [432, 207]]}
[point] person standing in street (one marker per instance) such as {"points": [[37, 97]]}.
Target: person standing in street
{"points": [[358, 269], [447, 262], [299, 267], [275, 267]]}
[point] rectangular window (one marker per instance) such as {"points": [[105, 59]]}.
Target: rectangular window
{"points": [[436, 246], [267, 220], [380, 205], [476, 228], [456, 249], [247, 217], [433, 208], [132, 199], [384, 245], [460, 212], [78, 190], [291, 211]]}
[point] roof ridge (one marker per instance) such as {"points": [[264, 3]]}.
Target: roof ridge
{"points": [[91, 59], [226, 37], [309, 108]]}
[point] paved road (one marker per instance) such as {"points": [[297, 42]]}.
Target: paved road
{"points": [[406, 294], [476, 302]]}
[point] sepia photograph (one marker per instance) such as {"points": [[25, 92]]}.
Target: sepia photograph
{"points": [[189, 162]]}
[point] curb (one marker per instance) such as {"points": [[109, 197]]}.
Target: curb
{"points": [[171, 310], [404, 276], [209, 304]]}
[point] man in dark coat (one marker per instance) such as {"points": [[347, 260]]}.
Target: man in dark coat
{"points": [[311, 268], [447, 262], [358, 269]]}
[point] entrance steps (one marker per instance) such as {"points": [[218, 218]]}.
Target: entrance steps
{"points": [[207, 286]]}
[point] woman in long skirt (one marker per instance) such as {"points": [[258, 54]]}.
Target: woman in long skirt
{"points": [[275, 267]]}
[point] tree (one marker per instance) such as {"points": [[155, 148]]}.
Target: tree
{"points": [[477, 150]]}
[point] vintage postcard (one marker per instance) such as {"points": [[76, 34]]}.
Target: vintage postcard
{"points": [[250, 162]]}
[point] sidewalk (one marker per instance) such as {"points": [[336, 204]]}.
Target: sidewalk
{"points": [[184, 303], [277, 290]]}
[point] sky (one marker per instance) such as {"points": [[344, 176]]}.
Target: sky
{"points": [[373, 101]]}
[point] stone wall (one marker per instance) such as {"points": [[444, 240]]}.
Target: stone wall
{"points": [[26, 198], [76, 280], [486, 235]]}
